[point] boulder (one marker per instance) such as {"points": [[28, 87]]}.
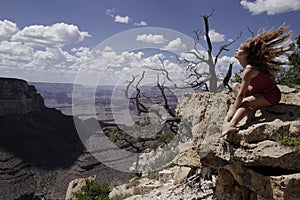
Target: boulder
{"points": [[76, 185], [181, 173], [165, 176]]}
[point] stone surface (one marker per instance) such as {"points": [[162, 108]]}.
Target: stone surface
{"points": [[76, 185], [180, 173], [251, 164], [187, 156], [153, 189], [165, 176]]}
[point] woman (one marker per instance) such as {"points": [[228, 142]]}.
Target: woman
{"points": [[259, 59]]}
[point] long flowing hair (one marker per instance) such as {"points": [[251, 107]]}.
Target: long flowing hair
{"points": [[265, 49]]}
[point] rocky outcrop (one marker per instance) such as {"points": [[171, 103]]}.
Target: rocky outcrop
{"points": [[17, 97], [76, 186], [40, 150], [251, 164]]}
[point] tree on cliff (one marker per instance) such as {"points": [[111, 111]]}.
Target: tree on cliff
{"points": [[201, 73], [156, 108]]}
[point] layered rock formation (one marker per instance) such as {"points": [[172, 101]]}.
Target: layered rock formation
{"points": [[40, 150], [251, 164], [17, 97]]}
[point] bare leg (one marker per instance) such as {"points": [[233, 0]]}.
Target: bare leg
{"points": [[254, 101], [238, 116], [237, 87]]}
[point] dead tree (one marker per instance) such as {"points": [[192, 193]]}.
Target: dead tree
{"points": [[173, 120], [201, 79], [136, 100]]}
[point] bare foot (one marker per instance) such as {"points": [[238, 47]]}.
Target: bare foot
{"points": [[228, 130]]}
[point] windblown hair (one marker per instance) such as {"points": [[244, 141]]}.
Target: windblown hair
{"points": [[265, 49]]}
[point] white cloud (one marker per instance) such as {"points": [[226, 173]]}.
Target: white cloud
{"points": [[190, 56], [223, 64], [15, 54], [81, 51], [128, 59], [215, 36], [123, 20], [271, 7], [151, 38], [175, 45], [141, 23], [39, 48], [135, 64], [7, 29], [56, 35], [110, 12], [90, 62], [50, 58]]}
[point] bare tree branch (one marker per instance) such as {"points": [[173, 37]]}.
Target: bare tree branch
{"points": [[208, 41], [250, 31], [225, 47], [196, 41], [136, 100], [227, 77], [162, 69], [128, 86], [165, 104], [197, 55]]}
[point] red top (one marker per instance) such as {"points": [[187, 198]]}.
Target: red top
{"points": [[263, 84]]}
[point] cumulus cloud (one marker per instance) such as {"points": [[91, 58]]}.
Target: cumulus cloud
{"points": [[7, 29], [51, 57], [223, 64], [38, 48], [175, 45], [141, 23], [151, 38], [271, 7], [215, 36], [15, 54], [120, 19], [56, 35]]}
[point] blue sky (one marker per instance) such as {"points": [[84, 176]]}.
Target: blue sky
{"points": [[53, 41]]}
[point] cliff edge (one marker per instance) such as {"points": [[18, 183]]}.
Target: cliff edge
{"points": [[17, 97], [258, 162], [40, 150]]}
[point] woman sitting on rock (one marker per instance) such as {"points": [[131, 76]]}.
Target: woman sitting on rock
{"points": [[259, 59]]}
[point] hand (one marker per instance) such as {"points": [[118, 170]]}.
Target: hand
{"points": [[230, 116]]}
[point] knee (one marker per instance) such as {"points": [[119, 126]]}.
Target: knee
{"points": [[236, 88]]}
